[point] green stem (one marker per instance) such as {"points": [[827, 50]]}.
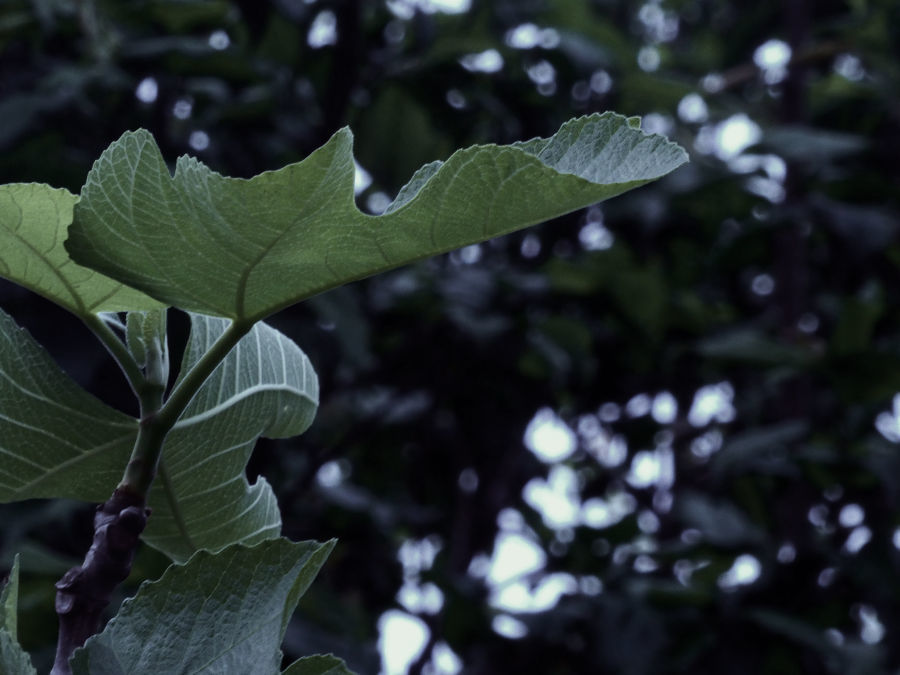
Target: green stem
{"points": [[142, 466]]}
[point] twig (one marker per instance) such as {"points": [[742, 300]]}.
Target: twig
{"points": [[84, 592]]}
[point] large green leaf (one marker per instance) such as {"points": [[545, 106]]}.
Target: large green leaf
{"points": [[246, 248], [56, 440], [34, 219], [222, 613], [13, 659], [266, 386]]}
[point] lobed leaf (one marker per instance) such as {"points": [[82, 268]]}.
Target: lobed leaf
{"points": [[266, 386], [246, 248], [218, 613], [34, 219]]}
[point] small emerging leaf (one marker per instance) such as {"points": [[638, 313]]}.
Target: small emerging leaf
{"points": [[34, 219], [246, 248], [222, 613], [145, 334]]}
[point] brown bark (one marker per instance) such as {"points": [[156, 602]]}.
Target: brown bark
{"points": [[84, 592]]}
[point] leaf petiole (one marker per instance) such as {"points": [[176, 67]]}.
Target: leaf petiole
{"points": [[156, 423]]}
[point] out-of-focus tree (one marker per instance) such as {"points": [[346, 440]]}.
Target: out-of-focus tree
{"points": [[656, 437]]}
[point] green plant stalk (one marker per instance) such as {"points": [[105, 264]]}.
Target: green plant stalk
{"points": [[157, 422]]}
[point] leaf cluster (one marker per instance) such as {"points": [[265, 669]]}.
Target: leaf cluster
{"points": [[702, 284], [230, 252]]}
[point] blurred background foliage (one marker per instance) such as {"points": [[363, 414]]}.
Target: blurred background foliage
{"points": [[657, 436]]}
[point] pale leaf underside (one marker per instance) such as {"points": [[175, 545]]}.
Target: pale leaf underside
{"points": [[267, 387]]}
